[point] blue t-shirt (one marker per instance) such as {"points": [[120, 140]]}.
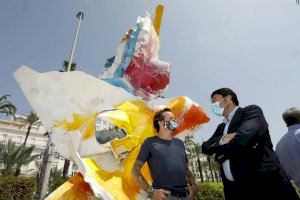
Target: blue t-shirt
{"points": [[288, 151], [167, 161]]}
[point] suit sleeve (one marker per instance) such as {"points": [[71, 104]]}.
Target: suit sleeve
{"points": [[253, 126], [210, 147]]}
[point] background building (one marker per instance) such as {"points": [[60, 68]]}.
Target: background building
{"points": [[12, 129], [203, 167]]}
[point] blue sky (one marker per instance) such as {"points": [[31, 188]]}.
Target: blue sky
{"points": [[252, 47]]}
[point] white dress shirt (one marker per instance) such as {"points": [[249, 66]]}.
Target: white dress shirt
{"points": [[226, 163]]}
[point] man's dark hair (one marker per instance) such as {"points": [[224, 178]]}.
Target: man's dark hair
{"points": [[291, 116], [159, 117], [225, 92]]}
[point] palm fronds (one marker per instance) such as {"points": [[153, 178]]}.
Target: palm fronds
{"points": [[6, 106], [13, 157]]}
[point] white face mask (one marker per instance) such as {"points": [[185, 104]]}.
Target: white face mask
{"points": [[171, 125], [217, 109]]}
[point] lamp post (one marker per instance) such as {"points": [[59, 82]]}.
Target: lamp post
{"points": [[45, 171], [79, 15]]}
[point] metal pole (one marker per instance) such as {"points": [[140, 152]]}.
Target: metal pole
{"points": [[46, 153], [79, 15], [46, 177], [42, 169]]}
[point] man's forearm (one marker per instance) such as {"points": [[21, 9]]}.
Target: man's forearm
{"points": [[210, 147], [136, 171]]}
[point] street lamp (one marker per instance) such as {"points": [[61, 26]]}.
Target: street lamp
{"points": [[79, 15], [45, 170]]}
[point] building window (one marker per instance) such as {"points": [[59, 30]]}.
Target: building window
{"points": [[54, 167], [3, 138], [31, 141], [74, 167], [18, 140], [10, 138], [43, 143], [56, 155]]}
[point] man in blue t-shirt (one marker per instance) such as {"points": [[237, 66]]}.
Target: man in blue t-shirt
{"points": [[288, 147], [167, 161]]}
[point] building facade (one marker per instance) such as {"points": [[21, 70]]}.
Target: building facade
{"points": [[12, 129], [200, 163]]}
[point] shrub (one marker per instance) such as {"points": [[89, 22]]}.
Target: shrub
{"points": [[210, 191], [57, 183], [15, 188]]}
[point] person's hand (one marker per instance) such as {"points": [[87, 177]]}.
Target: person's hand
{"points": [[193, 189], [160, 194], [227, 138]]}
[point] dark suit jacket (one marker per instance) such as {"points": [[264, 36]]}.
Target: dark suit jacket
{"points": [[251, 150]]}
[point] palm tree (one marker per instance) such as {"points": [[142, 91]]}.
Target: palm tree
{"points": [[210, 168], [7, 107], [31, 119], [65, 66], [56, 173], [66, 169], [8, 158], [198, 153], [216, 169], [67, 162], [55, 179], [13, 157], [25, 157], [189, 147]]}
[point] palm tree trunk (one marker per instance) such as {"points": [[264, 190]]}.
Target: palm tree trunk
{"points": [[199, 166], [216, 176], [66, 168], [17, 172], [27, 134], [200, 169], [210, 169]]}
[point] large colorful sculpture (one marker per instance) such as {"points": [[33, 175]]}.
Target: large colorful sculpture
{"points": [[100, 124], [136, 66]]}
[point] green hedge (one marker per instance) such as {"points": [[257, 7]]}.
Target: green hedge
{"points": [[56, 183], [210, 191], [16, 188], [214, 191]]}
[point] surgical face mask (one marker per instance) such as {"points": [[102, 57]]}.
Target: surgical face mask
{"points": [[171, 125], [217, 109]]}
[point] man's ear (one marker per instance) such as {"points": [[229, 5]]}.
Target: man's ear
{"points": [[229, 99], [161, 123]]}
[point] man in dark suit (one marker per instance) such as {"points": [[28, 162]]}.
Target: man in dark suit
{"points": [[242, 146]]}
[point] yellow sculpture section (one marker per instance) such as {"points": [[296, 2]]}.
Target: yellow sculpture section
{"points": [[137, 118], [158, 18], [74, 188]]}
